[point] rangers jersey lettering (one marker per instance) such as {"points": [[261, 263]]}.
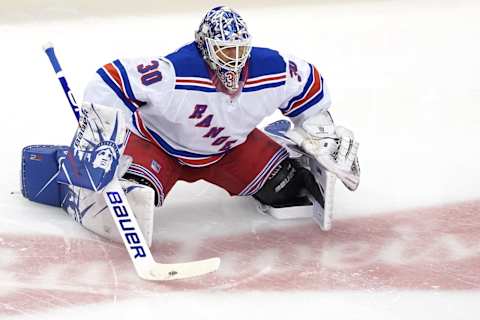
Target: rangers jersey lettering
{"points": [[174, 101]]}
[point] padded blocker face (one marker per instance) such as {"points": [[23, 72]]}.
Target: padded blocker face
{"points": [[40, 164]]}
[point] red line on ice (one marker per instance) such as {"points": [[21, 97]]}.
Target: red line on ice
{"points": [[422, 249]]}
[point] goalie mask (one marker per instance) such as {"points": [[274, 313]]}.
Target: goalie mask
{"points": [[225, 44]]}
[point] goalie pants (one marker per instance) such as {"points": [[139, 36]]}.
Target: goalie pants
{"points": [[242, 171]]}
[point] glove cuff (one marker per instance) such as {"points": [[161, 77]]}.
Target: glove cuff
{"points": [[320, 125]]}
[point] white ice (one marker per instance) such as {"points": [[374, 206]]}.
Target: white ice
{"points": [[404, 75]]}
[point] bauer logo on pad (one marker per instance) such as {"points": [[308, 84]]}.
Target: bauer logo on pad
{"points": [[96, 148]]}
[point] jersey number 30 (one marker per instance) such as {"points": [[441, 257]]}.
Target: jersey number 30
{"points": [[150, 73]]}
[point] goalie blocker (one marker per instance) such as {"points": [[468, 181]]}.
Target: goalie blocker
{"points": [[40, 170], [70, 177]]}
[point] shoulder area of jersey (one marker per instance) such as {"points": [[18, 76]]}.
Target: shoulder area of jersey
{"points": [[265, 61], [188, 62], [149, 70]]}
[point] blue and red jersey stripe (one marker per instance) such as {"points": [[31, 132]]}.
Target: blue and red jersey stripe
{"points": [[194, 83], [185, 157], [311, 94], [264, 82], [115, 76], [260, 179]]}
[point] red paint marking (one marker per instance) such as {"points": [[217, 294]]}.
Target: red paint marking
{"points": [[424, 249]]}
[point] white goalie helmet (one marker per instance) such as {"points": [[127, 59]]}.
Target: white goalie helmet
{"points": [[225, 44]]}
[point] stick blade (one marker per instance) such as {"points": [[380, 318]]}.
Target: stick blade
{"points": [[174, 271]]}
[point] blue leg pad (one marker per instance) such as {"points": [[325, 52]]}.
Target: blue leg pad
{"points": [[39, 173]]}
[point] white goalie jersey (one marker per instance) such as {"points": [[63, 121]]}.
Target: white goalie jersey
{"points": [[176, 102]]}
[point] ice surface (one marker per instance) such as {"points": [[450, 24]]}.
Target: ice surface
{"points": [[402, 74]]}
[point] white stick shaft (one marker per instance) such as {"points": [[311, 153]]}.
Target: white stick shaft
{"points": [[127, 225], [137, 247]]}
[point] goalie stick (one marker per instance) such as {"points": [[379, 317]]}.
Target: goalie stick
{"points": [[146, 267]]}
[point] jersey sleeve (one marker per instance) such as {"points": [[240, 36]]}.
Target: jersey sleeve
{"points": [[305, 91], [130, 84], [133, 86]]}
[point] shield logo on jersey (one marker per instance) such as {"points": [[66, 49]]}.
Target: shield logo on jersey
{"points": [[155, 166]]}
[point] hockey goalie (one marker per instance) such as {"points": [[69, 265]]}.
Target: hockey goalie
{"points": [[191, 115]]}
